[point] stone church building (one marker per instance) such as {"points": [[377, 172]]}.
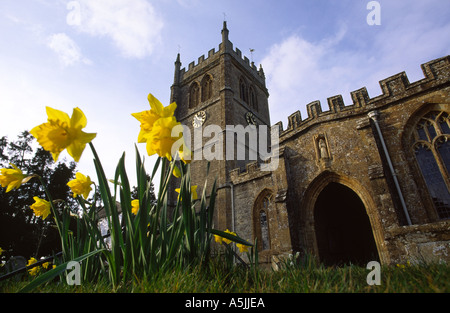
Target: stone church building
{"points": [[368, 181]]}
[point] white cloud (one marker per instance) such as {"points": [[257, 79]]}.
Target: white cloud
{"points": [[300, 71], [67, 50], [133, 25]]}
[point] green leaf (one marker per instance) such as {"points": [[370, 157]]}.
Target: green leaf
{"points": [[231, 237], [55, 272]]}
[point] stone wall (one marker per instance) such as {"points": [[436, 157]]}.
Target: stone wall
{"points": [[342, 145]]}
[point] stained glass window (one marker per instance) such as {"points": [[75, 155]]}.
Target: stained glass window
{"points": [[263, 225], [433, 157], [264, 230]]}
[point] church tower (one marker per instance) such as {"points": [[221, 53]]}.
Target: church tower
{"points": [[224, 88]]}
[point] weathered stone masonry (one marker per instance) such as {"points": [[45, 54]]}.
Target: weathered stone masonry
{"points": [[339, 169]]}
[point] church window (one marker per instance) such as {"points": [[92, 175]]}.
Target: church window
{"points": [[206, 87], [262, 224], [432, 151], [194, 93], [243, 91]]}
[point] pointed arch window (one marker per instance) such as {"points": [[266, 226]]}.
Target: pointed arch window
{"points": [[261, 218], [432, 151], [243, 91], [194, 95], [206, 87]]}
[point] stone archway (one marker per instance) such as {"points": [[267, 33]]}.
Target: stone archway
{"points": [[308, 234], [343, 230]]}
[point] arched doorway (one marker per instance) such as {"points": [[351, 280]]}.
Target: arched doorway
{"points": [[343, 230]]}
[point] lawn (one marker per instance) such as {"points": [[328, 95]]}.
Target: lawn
{"points": [[303, 278]]}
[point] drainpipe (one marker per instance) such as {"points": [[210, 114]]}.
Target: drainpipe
{"points": [[374, 116], [231, 186]]}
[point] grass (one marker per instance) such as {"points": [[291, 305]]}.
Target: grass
{"points": [[312, 278]]}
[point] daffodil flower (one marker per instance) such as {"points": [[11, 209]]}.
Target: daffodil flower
{"points": [[46, 265], [185, 155], [194, 195], [35, 270], [228, 241], [63, 132], [218, 239], [41, 207], [160, 140], [156, 130], [12, 178], [242, 248], [148, 118], [135, 206], [81, 185], [176, 172]]}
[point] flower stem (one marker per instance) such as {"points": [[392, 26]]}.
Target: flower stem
{"points": [[56, 216]]}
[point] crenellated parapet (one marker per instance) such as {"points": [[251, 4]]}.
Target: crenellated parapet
{"points": [[213, 55], [201, 63], [394, 88], [225, 47]]}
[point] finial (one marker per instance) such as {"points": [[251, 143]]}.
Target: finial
{"points": [[261, 71], [225, 32]]}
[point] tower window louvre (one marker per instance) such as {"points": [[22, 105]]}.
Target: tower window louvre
{"points": [[206, 88], [194, 95]]}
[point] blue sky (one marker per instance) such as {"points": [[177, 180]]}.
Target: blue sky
{"points": [[105, 56]]}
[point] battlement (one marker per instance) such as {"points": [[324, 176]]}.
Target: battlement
{"points": [[202, 61], [225, 47], [394, 88]]}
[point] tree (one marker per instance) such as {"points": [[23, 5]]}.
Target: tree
{"points": [[22, 233]]}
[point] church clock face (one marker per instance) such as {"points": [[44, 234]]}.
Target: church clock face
{"points": [[250, 117], [199, 119]]}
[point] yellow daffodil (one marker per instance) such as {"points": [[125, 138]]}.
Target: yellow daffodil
{"points": [[218, 239], [160, 140], [148, 118], [194, 192], [41, 207], [1, 251], [242, 248], [46, 265], [11, 177], [227, 241], [194, 195], [185, 154], [176, 172], [135, 206], [63, 132], [35, 270], [81, 185], [156, 129]]}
